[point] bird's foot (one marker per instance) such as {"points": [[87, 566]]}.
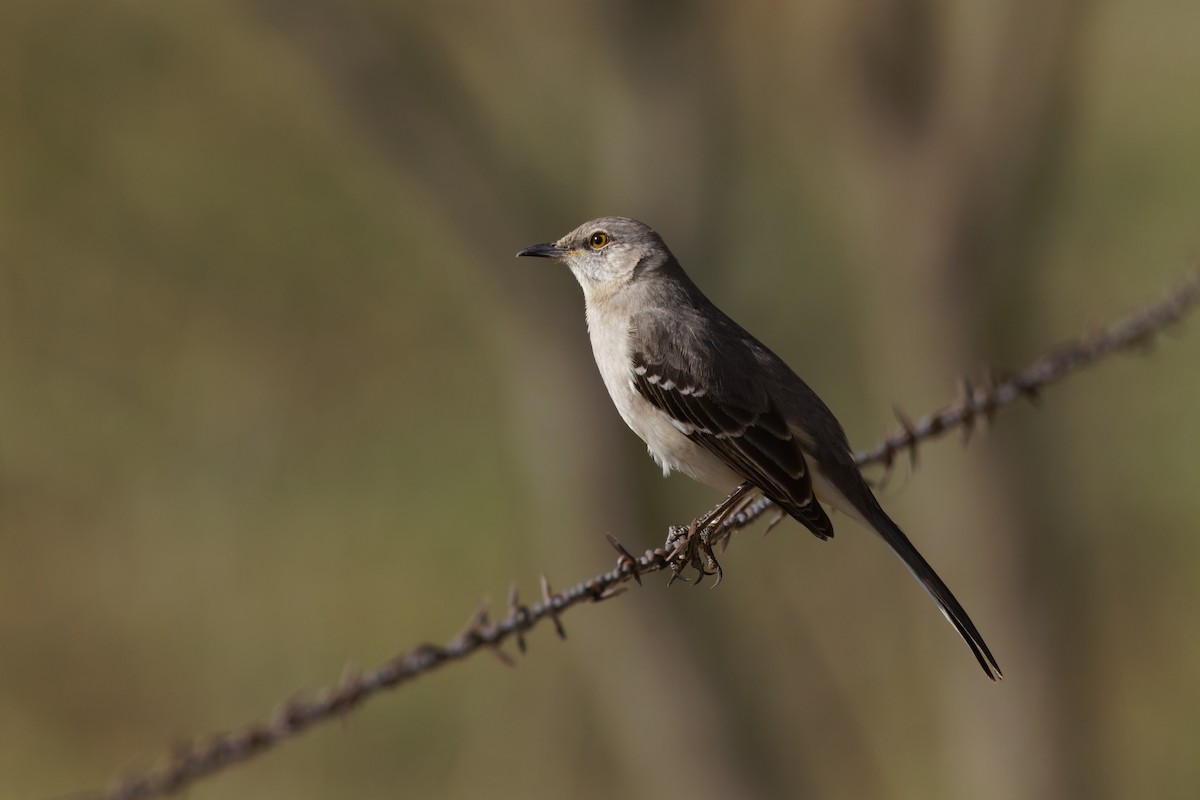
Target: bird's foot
{"points": [[692, 546]]}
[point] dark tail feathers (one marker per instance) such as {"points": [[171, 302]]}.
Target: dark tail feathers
{"points": [[938, 590]]}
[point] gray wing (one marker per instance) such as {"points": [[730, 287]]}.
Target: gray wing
{"points": [[720, 399]]}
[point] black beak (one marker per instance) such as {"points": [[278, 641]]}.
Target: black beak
{"points": [[544, 250]]}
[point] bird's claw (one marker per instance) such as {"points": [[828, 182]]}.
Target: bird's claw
{"points": [[692, 546]]}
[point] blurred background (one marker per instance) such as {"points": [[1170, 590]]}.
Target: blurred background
{"points": [[275, 396]]}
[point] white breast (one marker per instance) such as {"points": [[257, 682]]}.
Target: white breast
{"points": [[664, 436]]}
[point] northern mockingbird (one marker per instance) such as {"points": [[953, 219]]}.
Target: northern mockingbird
{"points": [[713, 402]]}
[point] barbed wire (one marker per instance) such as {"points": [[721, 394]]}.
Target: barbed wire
{"points": [[190, 761]]}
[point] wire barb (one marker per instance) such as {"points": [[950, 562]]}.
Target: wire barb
{"points": [[909, 434], [625, 560], [518, 616], [548, 602]]}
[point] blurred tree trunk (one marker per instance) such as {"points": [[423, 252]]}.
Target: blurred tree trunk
{"points": [[945, 165]]}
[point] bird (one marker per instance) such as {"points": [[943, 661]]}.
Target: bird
{"points": [[713, 402]]}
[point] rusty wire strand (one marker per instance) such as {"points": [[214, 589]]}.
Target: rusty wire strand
{"points": [[201, 757]]}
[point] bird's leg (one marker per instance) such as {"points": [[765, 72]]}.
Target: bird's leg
{"points": [[688, 545], [718, 514]]}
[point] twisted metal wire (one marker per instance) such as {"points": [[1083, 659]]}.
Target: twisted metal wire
{"points": [[204, 756]]}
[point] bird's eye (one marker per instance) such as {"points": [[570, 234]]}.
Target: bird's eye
{"points": [[598, 240]]}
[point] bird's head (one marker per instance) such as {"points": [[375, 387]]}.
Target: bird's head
{"points": [[604, 254]]}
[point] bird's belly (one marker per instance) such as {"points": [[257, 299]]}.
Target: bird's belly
{"points": [[666, 443], [674, 451], [668, 446]]}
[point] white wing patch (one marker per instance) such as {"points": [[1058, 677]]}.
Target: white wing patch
{"points": [[667, 385]]}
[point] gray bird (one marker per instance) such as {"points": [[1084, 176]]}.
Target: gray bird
{"points": [[713, 402]]}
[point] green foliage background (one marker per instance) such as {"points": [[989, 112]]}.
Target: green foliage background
{"points": [[275, 397]]}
